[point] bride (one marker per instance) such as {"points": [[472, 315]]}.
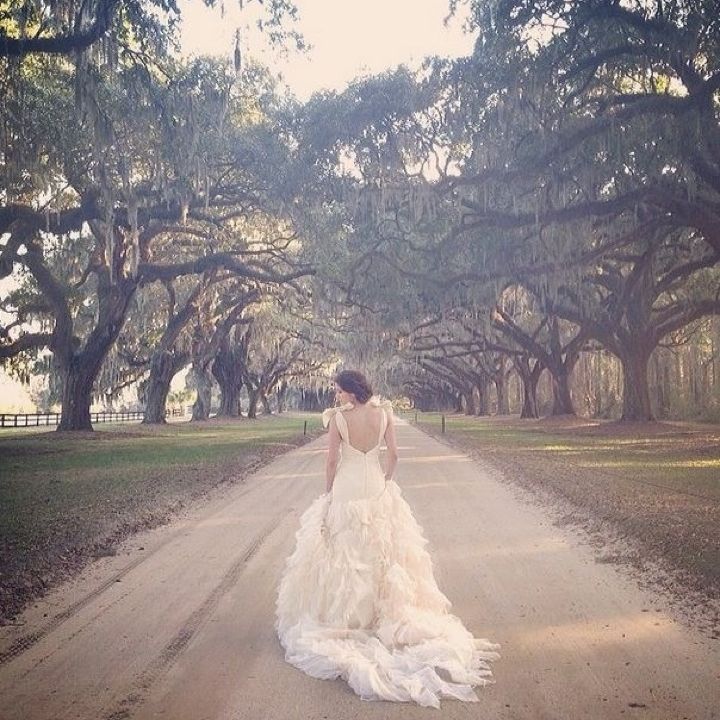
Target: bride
{"points": [[358, 598]]}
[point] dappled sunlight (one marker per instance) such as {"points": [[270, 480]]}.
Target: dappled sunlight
{"points": [[443, 485], [221, 521], [509, 550], [435, 458], [311, 451], [638, 446], [576, 449], [490, 551], [656, 455], [287, 476], [599, 631], [693, 463], [645, 463], [661, 440]]}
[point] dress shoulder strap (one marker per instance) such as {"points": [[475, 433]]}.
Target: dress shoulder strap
{"points": [[386, 407], [342, 426], [383, 425], [330, 413]]}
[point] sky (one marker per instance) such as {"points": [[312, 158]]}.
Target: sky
{"points": [[348, 37]]}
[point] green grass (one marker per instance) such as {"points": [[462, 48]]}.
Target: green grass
{"points": [[52, 472], [134, 447], [62, 495], [684, 457], [653, 486]]}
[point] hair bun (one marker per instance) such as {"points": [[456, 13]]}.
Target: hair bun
{"points": [[352, 381]]}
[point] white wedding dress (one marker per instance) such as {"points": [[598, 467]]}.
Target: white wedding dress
{"points": [[358, 598]]}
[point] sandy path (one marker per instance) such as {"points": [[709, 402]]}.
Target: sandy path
{"points": [[179, 624]]}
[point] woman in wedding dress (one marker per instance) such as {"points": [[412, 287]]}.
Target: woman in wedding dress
{"points": [[358, 598]]}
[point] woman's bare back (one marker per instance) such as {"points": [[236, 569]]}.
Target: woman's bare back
{"points": [[364, 423]]}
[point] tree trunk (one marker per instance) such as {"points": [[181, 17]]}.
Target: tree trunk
{"points": [[562, 397], [529, 377], [529, 382], [560, 364], [80, 370], [314, 399], [265, 403], [230, 405], [636, 389], [305, 399], [162, 370], [469, 401], [203, 382], [78, 380], [281, 397], [253, 397], [226, 370], [483, 406], [655, 380], [503, 407]]}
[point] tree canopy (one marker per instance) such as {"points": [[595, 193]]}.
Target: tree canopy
{"points": [[455, 228]]}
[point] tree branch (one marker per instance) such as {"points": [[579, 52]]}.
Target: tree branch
{"points": [[29, 341], [61, 44]]}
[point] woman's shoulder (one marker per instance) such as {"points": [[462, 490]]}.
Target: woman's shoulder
{"points": [[380, 402], [330, 413], [374, 402], [374, 406]]}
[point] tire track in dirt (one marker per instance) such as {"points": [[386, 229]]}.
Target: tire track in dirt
{"points": [[73, 635], [199, 617], [24, 643]]}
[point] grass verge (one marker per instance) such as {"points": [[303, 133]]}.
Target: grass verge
{"points": [[66, 498], [648, 493]]}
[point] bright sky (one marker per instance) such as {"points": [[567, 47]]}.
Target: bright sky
{"points": [[13, 396], [348, 37]]}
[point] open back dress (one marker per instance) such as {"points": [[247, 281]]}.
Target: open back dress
{"points": [[358, 599]]}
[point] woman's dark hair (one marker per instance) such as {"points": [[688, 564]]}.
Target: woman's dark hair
{"points": [[355, 382]]}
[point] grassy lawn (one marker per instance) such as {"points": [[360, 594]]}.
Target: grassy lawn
{"points": [[68, 497], [682, 456], [133, 447], [652, 487]]}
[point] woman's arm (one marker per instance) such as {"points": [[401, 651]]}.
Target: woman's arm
{"points": [[333, 454], [391, 442]]}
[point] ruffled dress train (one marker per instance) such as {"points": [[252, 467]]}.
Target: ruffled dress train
{"points": [[358, 599]]}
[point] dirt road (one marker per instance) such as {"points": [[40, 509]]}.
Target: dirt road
{"points": [[179, 624]]}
